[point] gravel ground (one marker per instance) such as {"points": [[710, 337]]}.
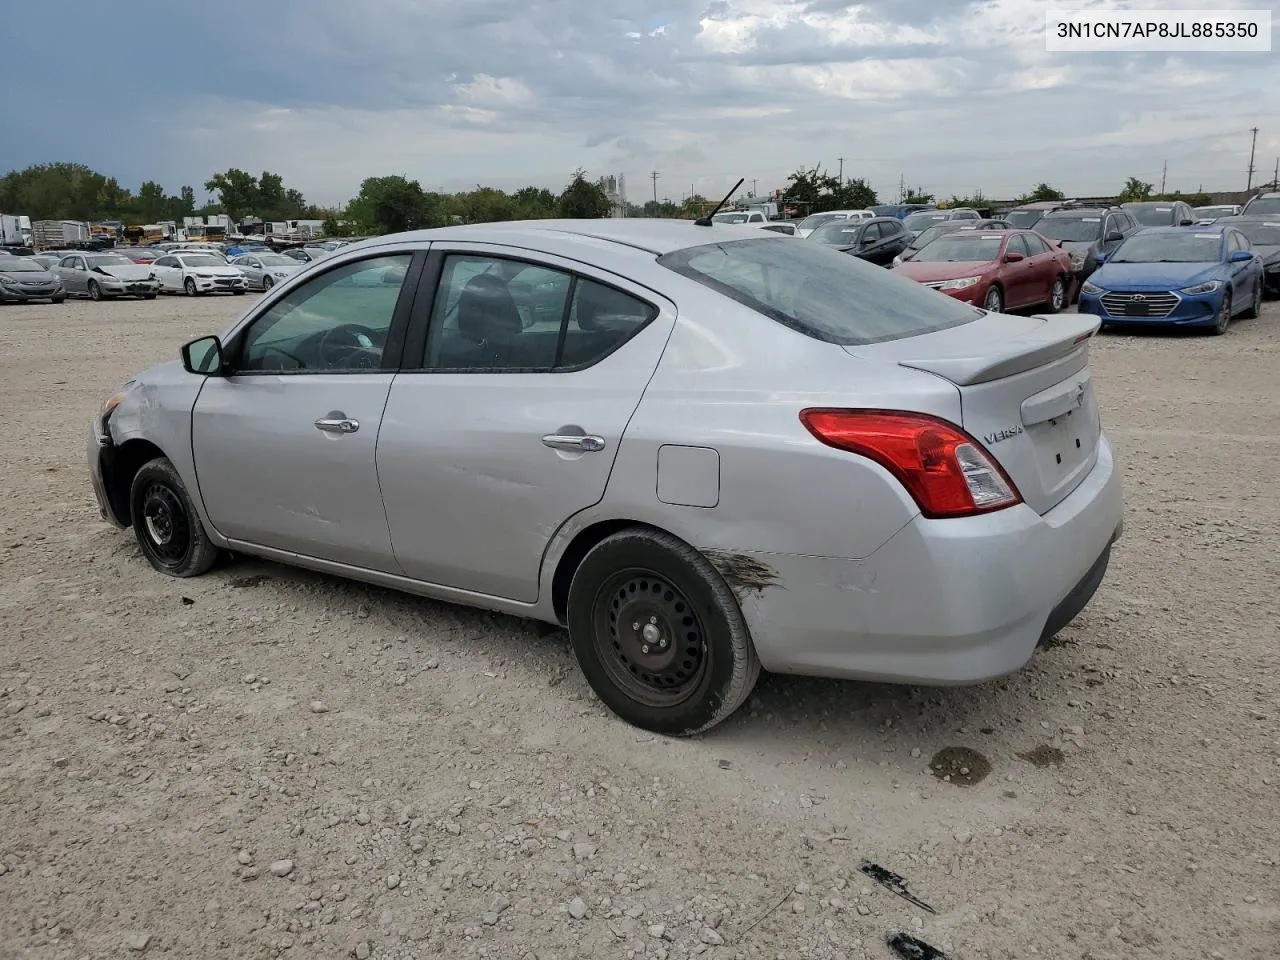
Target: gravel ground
{"points": [[264, 762]]}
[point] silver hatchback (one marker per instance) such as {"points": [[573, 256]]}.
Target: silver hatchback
{"points": [[706, 450]]}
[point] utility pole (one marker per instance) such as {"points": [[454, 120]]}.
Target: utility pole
{"points": [[1252, 147], [1163, 177], [841, 159], [1275, 177], [654, 177], [902, 187], [753, 186]]}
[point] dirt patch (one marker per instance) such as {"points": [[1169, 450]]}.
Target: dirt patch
{"points": [[960, 766], [1044, 756]]}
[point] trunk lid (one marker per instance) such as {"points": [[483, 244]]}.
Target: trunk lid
{"points": [[1026, 394]]}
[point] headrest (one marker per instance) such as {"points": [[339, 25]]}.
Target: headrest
{"points": [[487, 311]]}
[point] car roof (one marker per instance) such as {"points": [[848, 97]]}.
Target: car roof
{"points": [[1203, 228], [1151, 203], [1075, 213], [650, 235], [1041, 205]]}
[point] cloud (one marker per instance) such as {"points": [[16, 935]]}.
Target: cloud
{"points": [[949, 95]]}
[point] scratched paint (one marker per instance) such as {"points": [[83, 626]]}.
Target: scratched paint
{"points": [[746, 575]]}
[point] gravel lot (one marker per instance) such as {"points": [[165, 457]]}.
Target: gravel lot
{"points": [[265, 762]]}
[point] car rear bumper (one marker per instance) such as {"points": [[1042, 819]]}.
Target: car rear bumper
{"points": [[943, 602]]}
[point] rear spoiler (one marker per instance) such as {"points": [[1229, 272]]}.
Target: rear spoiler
{"points": [[1059, 336]]}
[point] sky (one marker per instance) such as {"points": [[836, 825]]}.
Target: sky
{"points": [[949, 95]]}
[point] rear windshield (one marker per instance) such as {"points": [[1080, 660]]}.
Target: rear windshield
{"points": [[921, 221], [1071, 229], [819, 291], [1024, 218]]}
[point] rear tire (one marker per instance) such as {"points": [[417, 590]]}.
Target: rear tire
{"points": [[1057, 295], [166, 524], [994, 300], [659, 634], [1224, 315], [1255, 305]]}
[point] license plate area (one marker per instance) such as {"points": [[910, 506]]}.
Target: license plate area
{"points": [[1132, 309], [1064, 443]]}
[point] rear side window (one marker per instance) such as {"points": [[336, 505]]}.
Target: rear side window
{"points": [[819, 291]]}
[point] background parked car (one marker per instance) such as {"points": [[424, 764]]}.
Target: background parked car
{"points": [[919, 222], [1087, 232], [265, 270], [103, 276], [1170, 275], [142, 255], [1000, 270], [900, 210], [1216, 212], [951, 226], [1161, 213], [1263, 234], [1263, 204], [1029, 214], [198, 273], [813, 221], [23, 279], [878, 240], [306, 254]]}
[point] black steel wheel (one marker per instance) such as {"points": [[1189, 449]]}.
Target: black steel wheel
{"points": [[659, 634], [166, 524]]}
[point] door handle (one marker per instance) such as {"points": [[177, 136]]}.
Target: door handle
{"points": [[337, 425], [588, 444]]}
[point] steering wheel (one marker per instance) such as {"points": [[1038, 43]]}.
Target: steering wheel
{"points": [[349, 346]]}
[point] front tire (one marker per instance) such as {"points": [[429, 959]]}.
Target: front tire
{"points": [[166, 524], [148, 296], [659, 634], [190, 287], [1224, 315], [95, 291], [994, 300], [57, 300], [267, 284]]}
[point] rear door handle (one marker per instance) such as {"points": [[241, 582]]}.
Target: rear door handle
{"points": [[587, 444], [337, 425]]}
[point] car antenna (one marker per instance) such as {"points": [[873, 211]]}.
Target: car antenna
{"points": [[706, 221]]}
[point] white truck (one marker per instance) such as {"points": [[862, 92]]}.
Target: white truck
{"points": [[15, 231], [59, 234]]}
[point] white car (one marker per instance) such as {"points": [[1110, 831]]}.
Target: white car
{"points": [[197, 273], [264, 270], [815, 220]]}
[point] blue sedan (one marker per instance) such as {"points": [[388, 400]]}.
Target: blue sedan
{"points": [[1201, 277]]}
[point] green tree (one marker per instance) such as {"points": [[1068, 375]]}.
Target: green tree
{"points": [[237, 192], [483, 205], [583, 199], [1135, 190], [533, 203], [1042, 193], [917, 195], [151, 203], [818, 191], [394, 204]]}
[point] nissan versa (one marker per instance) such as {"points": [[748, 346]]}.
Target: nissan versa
{"points": [[706, 450]]}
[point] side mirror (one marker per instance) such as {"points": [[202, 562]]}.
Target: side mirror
{"points": [[1100, 257], [203, 356], [1186, 223], [1240, 256], [1115, 236], [1013, 257]]}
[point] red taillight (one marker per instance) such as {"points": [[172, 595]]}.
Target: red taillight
{"points": [[945, 470]]}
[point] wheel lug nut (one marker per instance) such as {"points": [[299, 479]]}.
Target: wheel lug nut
{"points": [[636, 625], [644, 648], [653, 620]]}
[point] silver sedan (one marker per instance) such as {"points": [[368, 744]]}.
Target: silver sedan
{"points": [[265, 270], [706, 450]]}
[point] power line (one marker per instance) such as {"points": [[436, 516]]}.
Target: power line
{"points": [[1254, 131]]}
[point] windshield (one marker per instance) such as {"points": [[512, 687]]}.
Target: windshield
{"points": [[1261, 233], [955, 249], [1024, 219], [1266, 205], [817, 220], [1152, 215], [918, 221], [20, 265], [108, 260], [1071, 229], [819, 292], [276, 260], [839, 233], [202, 260], [928, 236], [730, 218], [1169, 248]]}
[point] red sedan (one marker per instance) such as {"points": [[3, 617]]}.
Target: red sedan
{"points": [[999, 270]]}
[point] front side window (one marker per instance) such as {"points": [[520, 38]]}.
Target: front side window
{"points": [[1018, 244], [339, 321], [818, 291], [499, 315]]}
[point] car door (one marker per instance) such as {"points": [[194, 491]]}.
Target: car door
{"points": [[1044, 271], [896, 239], [1241, 273], [1019, 277], [868, 242], [285, 444], [531, 370], [1111, 225], [72, 273], [163, 268], [252, 269]]}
